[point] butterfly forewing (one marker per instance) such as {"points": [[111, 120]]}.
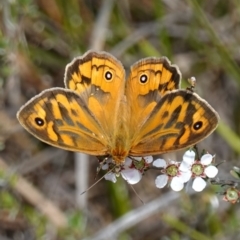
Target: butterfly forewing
{"points": [[149, 80], [100, 79], [153, 75]]}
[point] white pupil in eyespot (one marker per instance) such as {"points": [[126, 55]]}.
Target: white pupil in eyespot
{"points": [[39, 121], [108, 75], [143, 78], [197, 125]]}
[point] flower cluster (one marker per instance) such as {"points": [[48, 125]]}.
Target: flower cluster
{"points": [[180, 173], [132, 170], [174, 173]]}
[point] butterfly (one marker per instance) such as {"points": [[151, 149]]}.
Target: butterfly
{"points": [[101, 113]]}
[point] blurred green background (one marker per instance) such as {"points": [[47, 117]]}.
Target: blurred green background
{"points": [[41, 186]]}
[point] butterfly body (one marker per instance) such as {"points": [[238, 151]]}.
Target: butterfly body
{"points": [[100, 113]]}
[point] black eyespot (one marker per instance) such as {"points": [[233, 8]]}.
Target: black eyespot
{"points": [[143, 78], [39, 121], [197, 125], [108, 75]]}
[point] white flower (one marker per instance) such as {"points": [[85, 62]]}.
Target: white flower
{"points": [[111, 177], [170, 172], [131, 175], [198, 169], [148, 159], [160, 163], [131, 170]]}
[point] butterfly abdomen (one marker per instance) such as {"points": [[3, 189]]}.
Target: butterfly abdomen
{"points": [[121, 140]]}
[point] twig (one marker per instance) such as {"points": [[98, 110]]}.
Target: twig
{"points": [[149, 29], [40, 159], [99, 33], [32, 195], [97, 41], [134, 217], [81, 176]]}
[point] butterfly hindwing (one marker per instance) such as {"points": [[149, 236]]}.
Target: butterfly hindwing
{"points": [[61, 118], [179, 120]]}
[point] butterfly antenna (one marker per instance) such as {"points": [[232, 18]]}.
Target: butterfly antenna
{"points": [[192, 81], [98, 180], [137, 194]]}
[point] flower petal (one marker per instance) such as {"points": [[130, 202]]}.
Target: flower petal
{"points": [[185, 175], [211, 171], [206, 159], [111, 177], [148, 159], [128, 162], [177, 184], [161, 181], [184, 166], [199, 184], [105, 166], [170, 162], [160, 163], [189, 157], [132, 176]]}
